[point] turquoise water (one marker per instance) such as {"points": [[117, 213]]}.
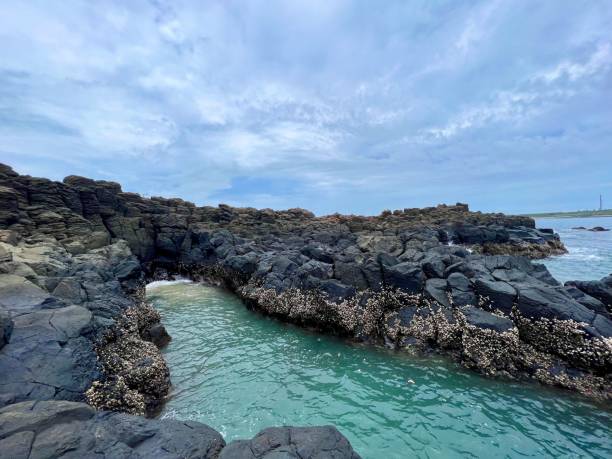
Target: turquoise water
{"points": [[240, 372], [590, 253]]}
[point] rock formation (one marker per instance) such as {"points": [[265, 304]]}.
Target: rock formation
{"points": [[74, 325]]}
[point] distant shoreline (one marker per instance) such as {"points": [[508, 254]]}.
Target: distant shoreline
{"points": [[574, 214]]}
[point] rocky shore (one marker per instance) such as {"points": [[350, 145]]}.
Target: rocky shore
{"points": [[76, 329]]}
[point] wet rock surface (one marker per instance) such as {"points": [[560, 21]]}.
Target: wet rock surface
{"points": [[75, 254]]}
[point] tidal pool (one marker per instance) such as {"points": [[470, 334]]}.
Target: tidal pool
{"points": [[240, 372]]}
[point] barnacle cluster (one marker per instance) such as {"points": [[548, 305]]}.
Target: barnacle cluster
{"points": [[546, 350], [136, 377], [567, 339], [113, 394], [531, 250]]}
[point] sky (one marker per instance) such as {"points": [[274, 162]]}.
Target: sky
{"points": [[334, 106]]}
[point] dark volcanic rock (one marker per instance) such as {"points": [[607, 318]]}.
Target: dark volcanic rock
{"points": [[483, 319], [60, 429], [501, 294], [406, 276], [292, 442], [601, 289], [538, 301], [74, 255], [6, 327]]}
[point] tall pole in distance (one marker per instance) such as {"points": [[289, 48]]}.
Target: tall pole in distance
{"points": [[600, 202]]}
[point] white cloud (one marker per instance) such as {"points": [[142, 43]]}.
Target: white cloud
{"points": [[598, 62], [361, 104]]}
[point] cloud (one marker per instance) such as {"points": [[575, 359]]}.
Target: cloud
{"points": [[334, 106], [599, 61]]}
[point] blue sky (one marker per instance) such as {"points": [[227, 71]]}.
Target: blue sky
{"points": [[329, 105]]}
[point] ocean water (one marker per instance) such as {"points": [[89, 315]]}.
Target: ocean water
{"points": [[240, 372], [590, 253]]}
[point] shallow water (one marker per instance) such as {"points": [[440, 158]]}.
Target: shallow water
{"points": [[240, 372], [590, 253]]}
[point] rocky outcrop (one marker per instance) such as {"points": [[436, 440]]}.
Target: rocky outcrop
{"points": [[61, 429], [75, 327], [292, 442], [62, 307], [595, 295], [74, 255], [498, 240]]}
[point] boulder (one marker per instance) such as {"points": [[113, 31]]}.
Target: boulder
{"points": [[436, 289], [601, 289], [405, 276], [537, 301], [501, 294], [350, 274], [19, 294], [433, 267], [586, 300], [243, 264], [459, 281], [336, 290], [292, 442], [317, 253], [157, 334], [603, 326], [463, 298]]}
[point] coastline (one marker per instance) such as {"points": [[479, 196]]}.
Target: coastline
{"points": [[578, 214], [75, 256]]}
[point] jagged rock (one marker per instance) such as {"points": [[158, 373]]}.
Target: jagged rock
{"points": [[406, 276], [458, 281], [292, 442], [540, 302], [586, 300], [500, 294], [436, 289], [601, 289]]}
